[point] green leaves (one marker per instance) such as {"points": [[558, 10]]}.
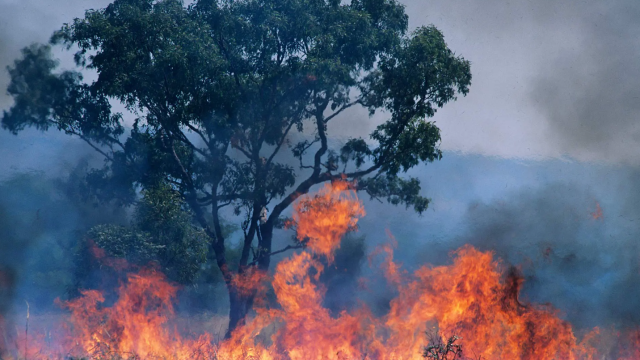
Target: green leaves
{"points": [[422, 75], [403, 147], [396, 191], [151, 55], [44, 99], [162, 231], [355, 150]]}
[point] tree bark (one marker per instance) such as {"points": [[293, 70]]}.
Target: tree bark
{"points": [[238, 310], [239, 305], [266, 232]]}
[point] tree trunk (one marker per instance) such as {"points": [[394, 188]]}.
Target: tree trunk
{"points": [[266, 231], [238, 309], [239, 306]]}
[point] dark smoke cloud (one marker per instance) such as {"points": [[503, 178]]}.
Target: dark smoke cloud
{"points": [[590, 92], [551, 78], [584, 264]]}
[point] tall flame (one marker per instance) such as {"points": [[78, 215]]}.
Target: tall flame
{"points": [[137, 324], [325, 217]]}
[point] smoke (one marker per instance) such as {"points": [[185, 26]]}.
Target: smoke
{"points": [[551, 233], [41, 219], [578, 256], [572, 228], [21, 24], [29, 21], [550, 78], [589, 92]]}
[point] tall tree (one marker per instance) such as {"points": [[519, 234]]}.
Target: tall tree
{"points": [[220, 87]]}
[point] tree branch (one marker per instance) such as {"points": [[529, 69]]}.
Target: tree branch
{"points": [[277, 149], [243, 151], [110, 158], [248, 239], [199, 132], [316, 177], [84, 138], [287, 248], [342, 108]]}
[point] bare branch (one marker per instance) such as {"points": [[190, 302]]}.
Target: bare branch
{"points": [[199, 132], [287, 248], [316, 177], [92, 145], [282, 139], [227, 203], [243, 151], [342, 108], [249, 235]]}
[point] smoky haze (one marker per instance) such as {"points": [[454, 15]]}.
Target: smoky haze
{"points": [[590, 93], [572, 228], [25, 22], [551, 79], [567, 251]]}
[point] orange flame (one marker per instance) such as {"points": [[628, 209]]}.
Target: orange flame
{"points": [[475, 298], [325, 217], [138, 324], [251, 280], [391, 270]]}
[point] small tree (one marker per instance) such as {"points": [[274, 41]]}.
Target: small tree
{"points": [[162, 231], [439, 350], [220, 87]]}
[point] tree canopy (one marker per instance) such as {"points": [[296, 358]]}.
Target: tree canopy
{"points": [[228, 94]]}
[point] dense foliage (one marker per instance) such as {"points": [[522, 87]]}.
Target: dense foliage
{"points": [[162, 231]]}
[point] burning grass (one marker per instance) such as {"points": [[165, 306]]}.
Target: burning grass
{"points": [[475, 300]]}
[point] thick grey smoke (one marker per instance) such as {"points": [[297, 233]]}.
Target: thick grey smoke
{"points": [[590, 92], [582, 258], [551, 78]]}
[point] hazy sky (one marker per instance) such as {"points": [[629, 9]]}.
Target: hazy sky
{"points": [[550, 79]]}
